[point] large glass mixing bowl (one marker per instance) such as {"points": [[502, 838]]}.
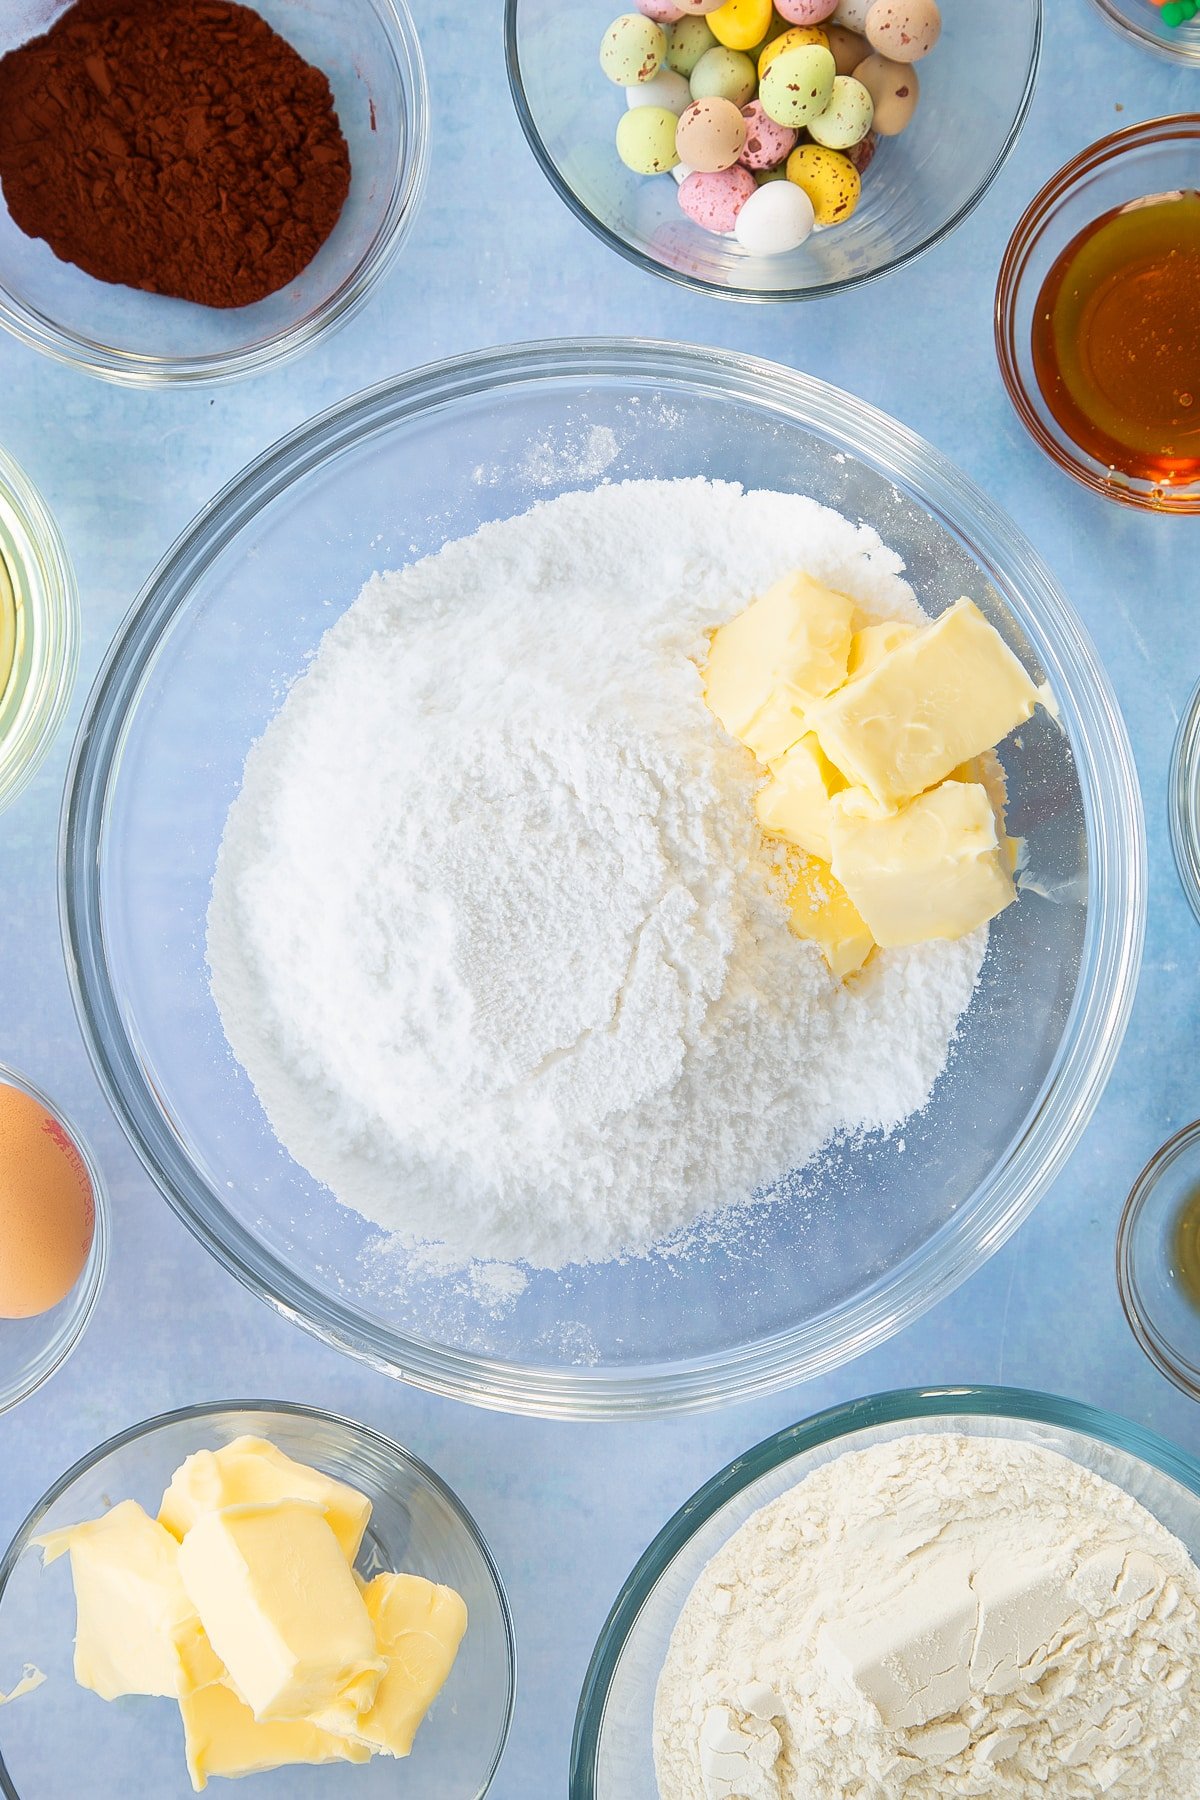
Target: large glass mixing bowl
{"points": [[867, 1237]]}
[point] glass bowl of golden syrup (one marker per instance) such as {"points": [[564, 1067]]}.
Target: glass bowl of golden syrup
{"points": [[1158, 1259], [1098, 316], [1184, 801], [39, 629], [1168, 27]]}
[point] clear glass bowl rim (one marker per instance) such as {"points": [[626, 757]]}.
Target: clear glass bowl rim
{"points": [[1116, 906], [57, 600], [1150, 1339], [1009, 285], [207, 1409], [133, 369], [700, 284], [1144, 35], [86, 1291], [900, 1406], [1183, 801]]}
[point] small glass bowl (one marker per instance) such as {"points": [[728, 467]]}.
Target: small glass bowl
{"points": [[1156, 157], [612, 1752], [1165, 1322], [370, 52], [37, 582], [1143, 23], [54, 1739], [975, 92], [32, 1349], [1184, 801]]}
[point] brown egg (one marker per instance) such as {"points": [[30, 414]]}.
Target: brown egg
{"points": [[895, 90], [710, 135], [905, 30], [848, 48], [47, 1209]]}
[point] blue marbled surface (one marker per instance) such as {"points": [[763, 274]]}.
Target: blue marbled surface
{"points": [[495, 257]]}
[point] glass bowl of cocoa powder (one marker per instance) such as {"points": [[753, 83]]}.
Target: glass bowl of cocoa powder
{"points": [[149, 241]]}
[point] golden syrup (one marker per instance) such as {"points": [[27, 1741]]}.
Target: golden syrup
{"points": [[1185, 1246], [1116, 339], [8, 628]]}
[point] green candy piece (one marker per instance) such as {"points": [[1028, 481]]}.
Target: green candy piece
{"points": [[646, 140], [798, 85], [632, 50], [1173, 13], [724, 75], [687, 40]]}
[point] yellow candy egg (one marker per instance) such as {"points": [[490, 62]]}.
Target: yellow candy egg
{"points": [[793, 39], [741, 24], [829, 179]]}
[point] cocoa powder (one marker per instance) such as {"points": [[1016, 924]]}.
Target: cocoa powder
{"points": [[178, 146]]}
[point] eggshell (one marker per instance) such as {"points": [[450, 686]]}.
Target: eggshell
{"points": [[710, 135], [829, 179], [663, 12], [646, 140], [723, 75], [798, 85], [686, 43], [847, 118], [894, 88], [853, 14], [775, 219], [848, 48], [664, 89], [632, 49], [905, 30], [767, 144], [47, 1208], [793, 39], [805, 12], [714, 198]]}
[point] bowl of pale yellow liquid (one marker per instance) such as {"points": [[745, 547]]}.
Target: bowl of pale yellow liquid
{"points": [[1158, 1259], [39, 629]]}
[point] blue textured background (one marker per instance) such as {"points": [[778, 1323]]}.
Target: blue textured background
{"points": [[495, 257]]}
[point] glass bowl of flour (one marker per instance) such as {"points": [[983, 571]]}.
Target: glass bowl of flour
{"points": [[931, 1592], [420, 959]]}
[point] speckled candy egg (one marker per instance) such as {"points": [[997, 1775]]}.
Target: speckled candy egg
{"points": [[697, 7], [664, 89], [767, 144], [853, 14], [663, 12], [724, 75], [646, 140], [895, 90], [686, 44], [798, 85], [847, 118], [710, 135], [632, 49], [793, 39], [714, 198], [741, 24], [848, 48], [829, 179], [905, 30], [775, 219], [860, 156], [805, 12]]}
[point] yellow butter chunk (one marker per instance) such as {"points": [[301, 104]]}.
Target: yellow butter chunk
{"points": [[137, 1630], [794, 802], [872, 643], [279, 1603], [419, 1626], [946, 694], [252, 1469], [820, 909], [935, 868], [221, 1736], [788, 649]]}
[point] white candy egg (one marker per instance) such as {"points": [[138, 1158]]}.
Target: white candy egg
{"points": [[664, 89], [776, 218]]}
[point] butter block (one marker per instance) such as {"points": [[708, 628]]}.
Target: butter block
{"points": [[419, 1626], [137, 1630], [221, 1736], [768, 665], [251, 1469], [278, 1601], [871, 643], [820, 910], [945, 695], [794, 802], [935, 868]]}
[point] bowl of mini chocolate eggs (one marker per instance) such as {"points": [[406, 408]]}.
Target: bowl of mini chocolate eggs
{"points": [[772, 149]]}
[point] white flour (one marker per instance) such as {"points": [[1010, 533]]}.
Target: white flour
{"points": [[938, 1616], [493, 930]]}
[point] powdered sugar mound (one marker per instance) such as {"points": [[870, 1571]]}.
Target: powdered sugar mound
{"points": [[493, 929]]}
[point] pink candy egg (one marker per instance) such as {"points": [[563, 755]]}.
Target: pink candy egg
{"points": [[693, 7], [805, 12], [767, 144], [714, 200], [663, 12], [904, 30]]}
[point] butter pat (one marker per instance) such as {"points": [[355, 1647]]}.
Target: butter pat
{"points": [[137, 1630], [872, 643], [935, 868], [794, 802], [767, 666], [279, 1603], [251, 1469], [943, 696], [419, 1626], [221, 1736], [820, 910]]}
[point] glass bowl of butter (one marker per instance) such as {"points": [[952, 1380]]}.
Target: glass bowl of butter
{"points": [[253, 1588]]}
